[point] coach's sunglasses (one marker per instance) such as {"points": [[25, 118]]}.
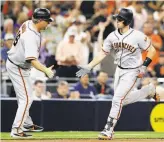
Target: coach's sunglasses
{"points": [[48, 21]]}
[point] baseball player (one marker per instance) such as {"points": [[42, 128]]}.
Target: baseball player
{"points": [[21, 57], [127, 44]]}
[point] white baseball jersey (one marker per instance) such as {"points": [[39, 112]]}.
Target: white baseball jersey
{"points": [[128, 57], [25, 46], [127, 47]]}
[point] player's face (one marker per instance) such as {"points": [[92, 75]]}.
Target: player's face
{"points": [[120, 23]]}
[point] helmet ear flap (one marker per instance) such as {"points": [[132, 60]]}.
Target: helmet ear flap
{"points": [[126, 22]]}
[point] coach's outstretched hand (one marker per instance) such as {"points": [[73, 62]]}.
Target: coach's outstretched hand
{"points": [[49, 72], [83, 71]]}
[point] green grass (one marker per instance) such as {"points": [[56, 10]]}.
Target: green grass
{"points": [[89, 135]]}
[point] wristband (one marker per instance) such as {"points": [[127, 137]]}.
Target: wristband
{"points": [[147, 62]]}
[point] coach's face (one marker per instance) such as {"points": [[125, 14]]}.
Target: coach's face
{"points": [[44, 24]]}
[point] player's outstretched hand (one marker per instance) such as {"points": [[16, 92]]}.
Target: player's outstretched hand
{"points": [[83, 71], [142, 71], [49, 72]]}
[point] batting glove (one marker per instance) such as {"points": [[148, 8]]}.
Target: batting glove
{"points": [[142, 71], [83, 71], [49, 72]]}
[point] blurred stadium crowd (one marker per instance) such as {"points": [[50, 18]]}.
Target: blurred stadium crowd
{"points": [[75, 37]]}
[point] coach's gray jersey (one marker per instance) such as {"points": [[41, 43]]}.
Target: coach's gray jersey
{"points": [[127, 47], [25, 46]]}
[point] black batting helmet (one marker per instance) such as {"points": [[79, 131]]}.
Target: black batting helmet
{"points": [[126, 15], [42, 13]]}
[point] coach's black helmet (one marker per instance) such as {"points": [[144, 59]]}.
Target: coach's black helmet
{"points": [[125, 15], [42, 13]]}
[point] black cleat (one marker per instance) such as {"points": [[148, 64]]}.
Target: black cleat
{"points": [[32, 128]]}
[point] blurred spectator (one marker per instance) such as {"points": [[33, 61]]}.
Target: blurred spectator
{"points": [[98, 45], [150, 18], [101, 15], [87, 8], [8, 40], [84, 87], [7, 43], [15, 10], [74, 95], [39, 92], [101, 85], [77, 27], [69, 54], [156, 42], [62, 90], [109, 27], [60, 21], [153, 6], [22, 17], [159, 15], [159, 67], [111, 6], [123, 3], [104, 29], [140, 14], [8, 27]]}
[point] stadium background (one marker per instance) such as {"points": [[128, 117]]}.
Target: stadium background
{"points": [[90, 22]]}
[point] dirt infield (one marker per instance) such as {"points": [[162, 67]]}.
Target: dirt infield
{"points": [[89, 140]]}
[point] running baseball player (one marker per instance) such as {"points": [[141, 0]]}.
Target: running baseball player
{"points": [[127, 44], [21, 57]]}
